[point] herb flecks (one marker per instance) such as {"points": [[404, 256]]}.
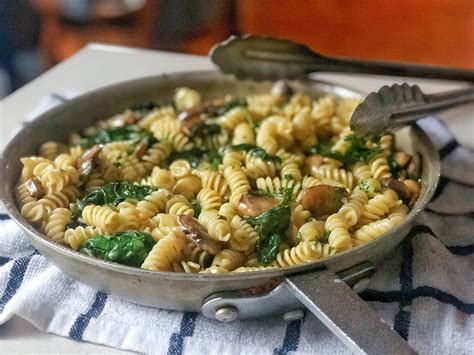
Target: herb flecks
{"points": [[284, 194], [364, 186]]}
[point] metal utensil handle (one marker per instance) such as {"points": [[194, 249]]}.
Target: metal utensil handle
{"points": [[436, 103], [351, 319], [347, 65]]}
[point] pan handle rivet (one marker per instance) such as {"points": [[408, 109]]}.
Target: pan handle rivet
{"points": [[361, 285], [293, 315], [227, 314]]}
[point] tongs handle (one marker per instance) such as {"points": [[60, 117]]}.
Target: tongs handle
{"points": [[351, 319], [435, 103], [346, 65]]}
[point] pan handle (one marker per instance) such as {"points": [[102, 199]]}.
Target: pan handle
{"points": [[350, 318]]}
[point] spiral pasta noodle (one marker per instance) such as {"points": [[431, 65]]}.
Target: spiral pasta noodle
{"points": [[164, 253]]}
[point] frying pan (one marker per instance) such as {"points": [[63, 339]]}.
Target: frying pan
{"points": [[327, 287]]}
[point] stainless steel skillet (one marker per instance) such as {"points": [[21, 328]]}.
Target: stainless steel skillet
{"points": [[225, 297]]}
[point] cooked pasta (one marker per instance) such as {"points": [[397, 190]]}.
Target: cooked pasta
{"points": [[273, 179]]}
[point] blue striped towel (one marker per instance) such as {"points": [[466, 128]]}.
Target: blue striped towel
{"points": [[425, 289]]}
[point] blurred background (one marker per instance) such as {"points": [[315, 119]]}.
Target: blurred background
{"points": [[37, 34]]}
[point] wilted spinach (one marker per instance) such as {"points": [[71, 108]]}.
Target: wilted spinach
{"points": [[111, 193], [196, 155], [357, 150], [271, 227], [255, 151], [395, 169], [193, 156], [130, 132], [229, 105], [205, 130], [127, 247]]}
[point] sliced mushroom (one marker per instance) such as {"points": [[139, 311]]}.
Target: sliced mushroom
{"points": [[414, 168], [197, 234], [312, 162], [282, 89], [322, 200], [123, 119], [87, 161], [141, 148], [254, 205], [414, 189], [399, 187], [401, 158], [34, 187], [187, 126]]}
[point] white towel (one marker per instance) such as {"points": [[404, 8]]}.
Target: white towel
{"points": [[424, 290]]}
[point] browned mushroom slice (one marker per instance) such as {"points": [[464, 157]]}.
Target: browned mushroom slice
{"points": [[254, 205], [399, 187], [34, 187], [402, 159], [414, 189], [197, 234], [141, 148], [312, 162], [86, 162], [414, 168], [323, 200], [187, 126], [123, 119]]}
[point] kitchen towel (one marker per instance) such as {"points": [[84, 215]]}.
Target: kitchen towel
{"points": [[424, 290]]}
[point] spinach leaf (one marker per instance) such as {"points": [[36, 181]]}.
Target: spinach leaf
{"points": [[357, 150], [324, 148], [196, 155], [271, 227], [215, 159], [229, 105], [196, 207], [324, 238], [269, 251], [204, 130], [255, 151], [128, 247], [395, 169], [111, 193], [130, 132], [193, 156]]}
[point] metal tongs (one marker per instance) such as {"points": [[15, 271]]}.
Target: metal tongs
{"points": [[266, 58], [260, 58], [397, 105]]}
